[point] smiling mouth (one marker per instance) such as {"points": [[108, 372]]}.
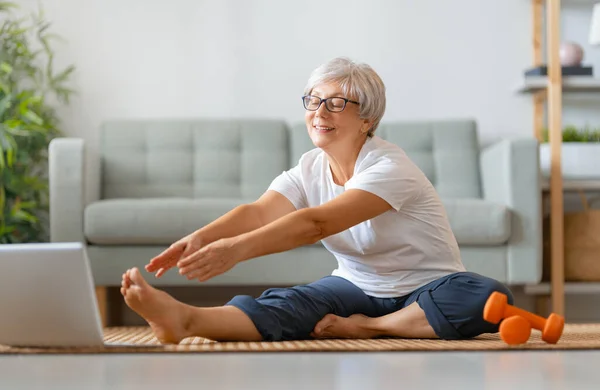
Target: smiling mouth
{"points": [[323, 128]]}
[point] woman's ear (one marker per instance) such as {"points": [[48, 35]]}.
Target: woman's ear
{"points": [[366, 126]]}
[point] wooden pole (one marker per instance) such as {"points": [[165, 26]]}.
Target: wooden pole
{"points": [[538, 97], [537, 13], [555, 130]]}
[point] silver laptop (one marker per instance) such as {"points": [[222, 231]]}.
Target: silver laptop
{"points": [[47, 296]]}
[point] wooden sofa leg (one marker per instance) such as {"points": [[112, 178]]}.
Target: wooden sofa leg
{"points": [[101, 297], [541, 305]]}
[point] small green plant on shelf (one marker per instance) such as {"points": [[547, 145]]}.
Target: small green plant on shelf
{"points": [[573, 134]]}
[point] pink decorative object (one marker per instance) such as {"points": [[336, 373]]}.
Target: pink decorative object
{"points": [[571, 54]]}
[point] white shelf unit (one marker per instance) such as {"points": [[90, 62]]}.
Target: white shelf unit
{"points": [[574, 185], [570, 288], [549, 90], [570, 84]]}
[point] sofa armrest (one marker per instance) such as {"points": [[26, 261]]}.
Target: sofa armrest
{"points": [[66, 172], [511, 176]]}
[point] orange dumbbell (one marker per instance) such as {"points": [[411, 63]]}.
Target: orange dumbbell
{"points": [[517, 324]]}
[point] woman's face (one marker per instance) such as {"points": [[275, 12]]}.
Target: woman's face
{"points": [[326, 128]]}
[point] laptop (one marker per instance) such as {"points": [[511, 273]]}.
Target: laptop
{"points": [[47, 297]]}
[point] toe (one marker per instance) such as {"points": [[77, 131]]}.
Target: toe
{"points": [[320, 327], [137, 278]]}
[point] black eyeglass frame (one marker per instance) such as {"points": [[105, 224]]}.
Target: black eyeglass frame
{"points": [[321, 101]]}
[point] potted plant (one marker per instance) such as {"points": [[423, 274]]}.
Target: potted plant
{"points": [[580, 153], [29, 83]]}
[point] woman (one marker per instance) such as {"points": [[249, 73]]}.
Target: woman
{"points": [[399, 269]]}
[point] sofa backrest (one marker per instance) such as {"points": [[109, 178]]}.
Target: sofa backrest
{"points": [[239, 158], [446, 151], [194, 158]]}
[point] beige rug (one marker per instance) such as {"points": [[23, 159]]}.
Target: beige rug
{"points": [[141, 340]]}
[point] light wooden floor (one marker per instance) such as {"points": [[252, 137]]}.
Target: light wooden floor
{"points": [[407, 370]]}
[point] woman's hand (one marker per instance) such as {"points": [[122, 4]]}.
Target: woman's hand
{"points": [[211, 260], [177, 251]]}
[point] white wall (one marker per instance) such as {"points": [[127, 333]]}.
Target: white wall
{"points": [[251, 58], [581, 109], [189, 58]]}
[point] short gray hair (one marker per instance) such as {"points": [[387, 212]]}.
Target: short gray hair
{"points": [[357, 81]]}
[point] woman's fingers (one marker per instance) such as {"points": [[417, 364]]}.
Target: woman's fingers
{"points": [[171, 255], [186, 261], [192, 258], [191, 267], [161, 272], [199, 272], [197, 260]]}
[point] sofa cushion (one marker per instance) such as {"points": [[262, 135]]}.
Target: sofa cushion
{"points": [[478, 221], [152, 221], [162, 221]]}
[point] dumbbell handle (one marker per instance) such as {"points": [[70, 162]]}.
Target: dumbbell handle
{"points": [[536, 321]]}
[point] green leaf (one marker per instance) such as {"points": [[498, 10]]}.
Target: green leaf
{"points": [[5, 230], [52, 36], [33, 117], [18, 132], [2, 161], [6, 68], [4, 87], [24, 216], [63, 76], [13, 123], [63, 94], [10, 157], [28, 205], [2, 200], [7, 5], [5, 104], [19, 31]]}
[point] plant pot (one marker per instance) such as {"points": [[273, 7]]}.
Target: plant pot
{"points": [[580, 160]]}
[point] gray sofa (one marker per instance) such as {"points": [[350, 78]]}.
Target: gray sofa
{"points": [[161, 180]]}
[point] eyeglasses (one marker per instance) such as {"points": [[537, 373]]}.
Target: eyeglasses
{"points": [[333, 104]]}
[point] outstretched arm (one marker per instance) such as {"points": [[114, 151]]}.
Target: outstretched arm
{"points": [[310, 225], [302, 227], [244, 218]]}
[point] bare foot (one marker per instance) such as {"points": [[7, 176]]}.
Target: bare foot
{"points": [[353, 327], [168, 318]]}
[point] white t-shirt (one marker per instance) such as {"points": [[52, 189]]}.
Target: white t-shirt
{"points": [[396, 252]]}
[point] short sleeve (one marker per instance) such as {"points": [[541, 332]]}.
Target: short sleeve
{"points": [[389, 180], [289, 184]]}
